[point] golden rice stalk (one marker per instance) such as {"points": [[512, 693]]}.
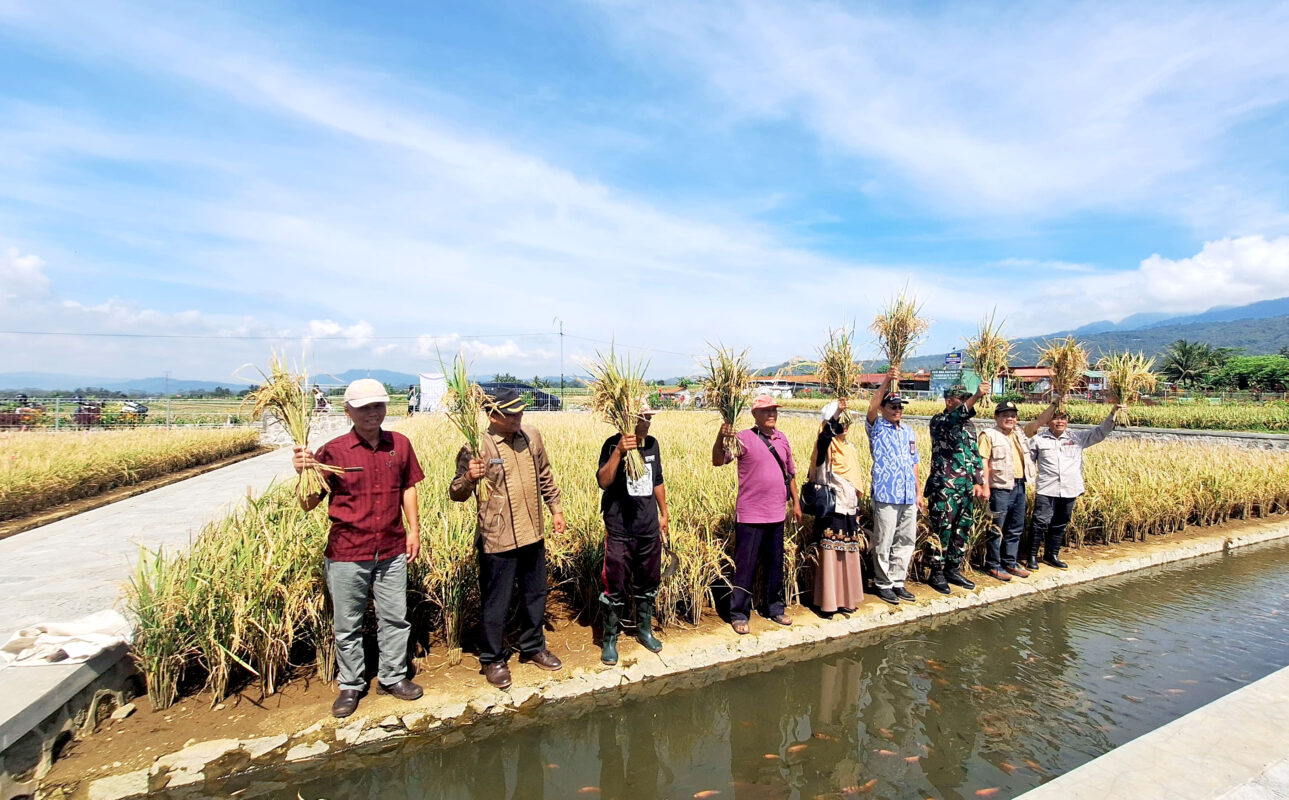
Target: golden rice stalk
{"points": [[465, 401], [989, 351], [1128, 375], [900, 329], [1068, 361], [728, 385], [618, 391], [837, 368], [283, 393]]}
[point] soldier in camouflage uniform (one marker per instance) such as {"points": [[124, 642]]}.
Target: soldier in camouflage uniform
{"points": [[956, 478]]}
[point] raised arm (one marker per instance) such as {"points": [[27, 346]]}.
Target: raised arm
{"points": [[1100, 432], [721, 454], [875, 404], [1033, 427], [981, 390]]}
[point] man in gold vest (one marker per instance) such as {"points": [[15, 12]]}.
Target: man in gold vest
{"points": [[1009, 469], [510, 539]]}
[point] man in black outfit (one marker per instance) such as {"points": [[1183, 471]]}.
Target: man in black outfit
{"points": [[635, 525]]}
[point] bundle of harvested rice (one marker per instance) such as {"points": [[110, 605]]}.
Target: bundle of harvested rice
{"points": [[837, 368], [283, 393], [989, 352], [465, 402], [1068, 361], [900, 329], [1128, 376], [728, 386], [617, 395]]}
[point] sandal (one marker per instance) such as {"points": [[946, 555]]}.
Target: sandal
{"points": [[782, 619], [740, 627]]}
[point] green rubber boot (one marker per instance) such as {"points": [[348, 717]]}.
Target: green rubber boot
{"points": [[644, 623], [612, 625]]}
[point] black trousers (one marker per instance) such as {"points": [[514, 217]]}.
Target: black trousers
{"points": [[632, 566], [498, 574], [1051, 516], [757, 542]]}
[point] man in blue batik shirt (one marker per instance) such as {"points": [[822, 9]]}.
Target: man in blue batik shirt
{"points": [[897, 491]]}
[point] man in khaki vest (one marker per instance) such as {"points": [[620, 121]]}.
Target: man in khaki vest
{"points": [[511, 529], [1009, 469]]}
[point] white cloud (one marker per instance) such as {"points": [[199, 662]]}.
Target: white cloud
{"points": [[984, 109], [351, 337], [477, 351], [22, 277]]}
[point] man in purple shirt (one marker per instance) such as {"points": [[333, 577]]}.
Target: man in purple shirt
{"points": [[766, 486]]}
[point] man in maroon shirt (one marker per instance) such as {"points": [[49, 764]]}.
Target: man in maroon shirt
{"points": [[368, 548]]}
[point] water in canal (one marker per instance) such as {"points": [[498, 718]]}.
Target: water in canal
{"points": [[986, 704]]}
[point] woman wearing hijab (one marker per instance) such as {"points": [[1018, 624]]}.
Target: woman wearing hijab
{"points": [[839, 586]]}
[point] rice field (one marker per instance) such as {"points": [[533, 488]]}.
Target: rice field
{"points": [[247, 601], [41, 470]]}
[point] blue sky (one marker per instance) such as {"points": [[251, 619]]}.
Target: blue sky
{"points": [[384, 180]]}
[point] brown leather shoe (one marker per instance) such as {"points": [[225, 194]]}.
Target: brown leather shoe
{"points": [[403, 690], [1018, 571], [999, 575], [498, 674], [346, 703], [542, 658]]}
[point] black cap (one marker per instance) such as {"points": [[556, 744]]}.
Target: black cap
{"points": [[1004, 407], [504, 400], [894, 400]]}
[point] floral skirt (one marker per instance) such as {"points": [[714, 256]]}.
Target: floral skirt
{"points": [[840, 532]]}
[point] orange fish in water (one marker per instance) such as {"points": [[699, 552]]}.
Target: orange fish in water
{"points": [[705, 793], [912, 759], [1033, 765], [797, 748], [990, 792], [1008, 768], [552, 766], [1176, 691], [939, 681], [868, 787], [848, 790], [934, 705], [770, 757], [1009, 687], [886, 752], [1131, 699], [886, 733], [589, 790], [825, 737], [979, 688]]}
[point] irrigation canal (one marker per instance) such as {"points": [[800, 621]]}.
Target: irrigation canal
{"points": [[987, 704]]}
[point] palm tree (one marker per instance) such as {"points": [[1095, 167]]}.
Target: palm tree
{"points": [[1187, 362]]}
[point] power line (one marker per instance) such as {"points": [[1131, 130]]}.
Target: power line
{"points": [[261, 337]]}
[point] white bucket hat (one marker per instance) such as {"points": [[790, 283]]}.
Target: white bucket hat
{"points": [[826, 413]]}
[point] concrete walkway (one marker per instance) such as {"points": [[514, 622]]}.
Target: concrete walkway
{"points": [[1233, 748], [76, 566]]}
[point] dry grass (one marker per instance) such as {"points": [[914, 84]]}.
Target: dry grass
{"points": [[249, 595], [42, 470], [618, 391], [285, 394], [989, 352], [900, 328], [1128, 376], [727, 387], [465, 402], [837, 368], [1068, 361]]}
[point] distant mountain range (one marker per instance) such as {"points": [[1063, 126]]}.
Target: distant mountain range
{"points": [[36, 382], [1257, 328]]}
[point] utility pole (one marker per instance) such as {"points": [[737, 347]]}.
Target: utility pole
{"points": [[561, 363]]}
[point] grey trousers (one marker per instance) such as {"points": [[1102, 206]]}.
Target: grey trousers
{"points": [[895, 532], [350, 584]]}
